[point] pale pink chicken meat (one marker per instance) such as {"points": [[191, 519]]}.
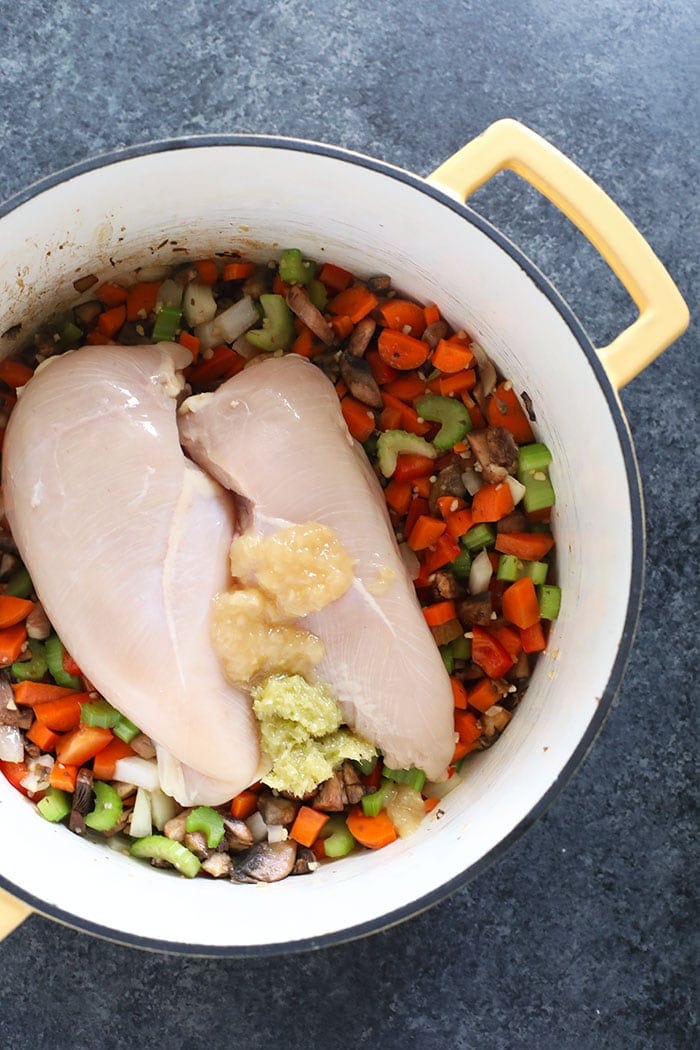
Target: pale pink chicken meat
{"points": [[275, 435], [127, 542]]}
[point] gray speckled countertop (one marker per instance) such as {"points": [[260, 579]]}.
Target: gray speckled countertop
{"points": [[581, 935]]}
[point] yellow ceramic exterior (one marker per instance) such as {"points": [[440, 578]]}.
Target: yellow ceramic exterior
{"points": [[663, 314], [12, 913]]}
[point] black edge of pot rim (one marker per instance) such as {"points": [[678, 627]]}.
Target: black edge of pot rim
{"points": [[637, 569]]}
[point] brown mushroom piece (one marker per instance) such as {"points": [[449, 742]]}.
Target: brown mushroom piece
{"points": [[37, 623], [86, 314], [8, 564], [238, 835], [82, 801], [513, 522], [380, 283], [306, 862], [10, 714], [329, 363], [487, 376], [476, 609], [361, 336], [267, 861], [434, 333], [447, 483], [197, 844], [496, 452], [277, 810], [445, 586], [299, 303], [331, 796], [354, 788], [359, 380], [175, 827], [143, 746], [445, 633], [217, 865]]}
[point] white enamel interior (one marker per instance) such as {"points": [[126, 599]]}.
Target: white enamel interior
{"points": [[245, 197]]}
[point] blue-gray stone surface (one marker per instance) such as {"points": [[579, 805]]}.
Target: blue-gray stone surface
{"points": [[581, 935]]}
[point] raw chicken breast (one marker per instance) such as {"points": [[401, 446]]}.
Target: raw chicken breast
{"points": [[127, 542], [275, 435]]}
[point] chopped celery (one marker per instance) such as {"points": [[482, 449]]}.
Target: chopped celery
{"points": [[448, 657], [294, 269], [393, 443], [208, 822], [108, 807], [461, 648], [510, 568], [277, 332], [538, 489], [449, 412], [125, 729], [366, 765], [549, 597], [70, 335], [53, 647], [534, 457], [372, 804], [31, 670], [99, 713], [462, 564], [536, 570], [414, 778], [167, 323], [481, 535], [19, 584], [339, 844], [55, 805], [317, 294], [158, 847]]}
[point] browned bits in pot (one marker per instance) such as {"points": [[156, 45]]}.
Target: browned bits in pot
{"points": [[83, 283]]}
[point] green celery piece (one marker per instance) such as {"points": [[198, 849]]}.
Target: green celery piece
{"points": [[19, 584], [539, 492], [366, 765], [549, 597], [448, 657], [415, 778], [374, 803], [278, 330], [534, 457], [461, 648], [158, 847], [208, 822], [481, 535], [317, 293], [53, 647], [166, 324], [71, 335], [510, 568], [125, 729], [536, 570], [393, 443], [452, 414], [339, 844], [31, 670], [108, 808], [294, 269], [462, 564], [99, 713], [55, 805]]}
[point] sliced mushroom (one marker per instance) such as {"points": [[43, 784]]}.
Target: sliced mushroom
{"points": [[86, 314], [238, 835], [513, 522], [331, 797], [476, 609], [434, 333], [82, 801], [359, 379], [277, 810], [495, 720], [143, 746], [10, 714], [257, 284], [8, 564], [305, 863], [354, 788], [361, 336], [445, 585], [129, 334], [37, 623], [299, 303], [217, 865], [380, 283], [448, 483], [496, 452], [329, 363], [197, 844], [487, 373], [520, 669], [445, 633], [267, 861], [175, 827], [83, 283]]}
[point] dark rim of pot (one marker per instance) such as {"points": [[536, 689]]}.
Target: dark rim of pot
{"points": [[638, 546]]}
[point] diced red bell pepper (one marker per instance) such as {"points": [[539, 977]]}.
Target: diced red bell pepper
{"points": [[489, 654], [446, 550], [410, 466]]}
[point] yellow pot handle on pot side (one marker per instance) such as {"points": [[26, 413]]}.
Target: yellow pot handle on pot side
{"points": [[663, 314], [12, 913]]}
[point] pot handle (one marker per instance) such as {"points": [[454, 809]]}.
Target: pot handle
{"points": [[663, 314], [12, 913]]}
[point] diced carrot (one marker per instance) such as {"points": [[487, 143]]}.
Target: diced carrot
{"points": [[334, 277], [304, 342], [462, 749], [372, 832], [528, 546], [429, 804], [533, 638], [237, 271], [342, 326], [425, 533], [244, 804], [223, 364], [12, 641], [207, 270], [449, 385], [390, 418], [520, 604], [27, 694], [492, 502], [459, 522], [191, 343], [341, 389], [359, 418], [400, 314], [504, 410], [318, 849], [307, 825], [109, 322], [418, 506], [106, 760], [489, 654], [410, 465], [382, 372], [42, 736], [410, 420], [59, 715], [449, 505], [461, 446], [459, 694], [111, 294], [13, 610], [355, 303], [509, 638], [431, 314], [141, 300], [422, 486], [63, 777], [374, 778], [69, 664], [82, 744], [446, 550], [467, 725], [451, 357], [96, 338], [398, 495], [402, 351], [14, 373], [406, 388], [439, 613], [475, 413], [483, 695], [279, 287]]}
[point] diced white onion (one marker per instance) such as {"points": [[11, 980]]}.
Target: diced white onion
{"points": [[163, 808], [405, 810], [277, 833], [257, 827], [244, 348], [141, 817], [11, 746], [140, 771], [471, 481], [480, 573], [229, 325], [433, 789], [39, 773], [198, 304], [517, 490], [410, 560], [169, 294]]}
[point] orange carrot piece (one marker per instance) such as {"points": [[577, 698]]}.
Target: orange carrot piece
{"points": [[533, 638], [13, 610], [355, 303], [483, 695], [446, 550], [27, 694], [467, 726], [371, 832], [410, 420], [82, 744], [492, 502], [459, 522], [398, 495], [341, 389], [431, 314], [42, 736], [449, 505], [207, 271], [425, 532], [359, 418], [307, 825], [439, 613], [334, 277], [452, 357], [519, 603], [238, 271], [422, 486], [59, 715], [12, 641], [381, 371], [304, 342], [406, 388], [400, 314], [390, 419], [96, 338], [402, 351], [459, 694], [475, 413], [111, 294], [14, 373], [106, 759], [342, 326], [244, 804], [111, 321], [191, 343], [449, 385], [509, 638], [429, 804], [223, 364], [462, 749], [63, 777], [528, 546], [504, 410]]}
